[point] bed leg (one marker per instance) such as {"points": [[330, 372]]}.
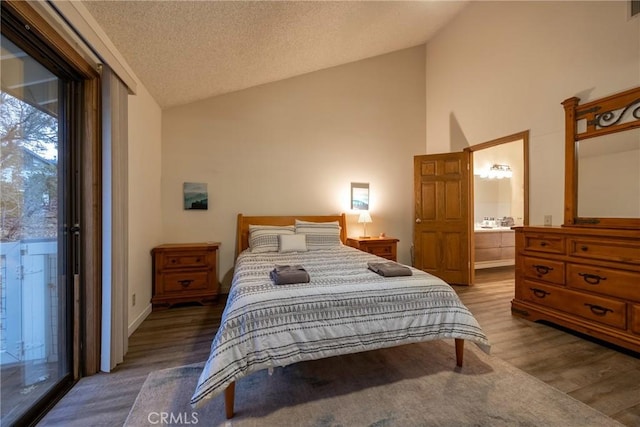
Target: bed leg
{"points": [[229, 398], [459, 351]]}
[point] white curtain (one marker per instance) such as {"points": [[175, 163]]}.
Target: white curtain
{"points": [[115, 249]]}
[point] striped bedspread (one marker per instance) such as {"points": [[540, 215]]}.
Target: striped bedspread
{"points": [[345, 308]]}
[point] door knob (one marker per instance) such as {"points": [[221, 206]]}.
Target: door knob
{"points": [[418, 220]]}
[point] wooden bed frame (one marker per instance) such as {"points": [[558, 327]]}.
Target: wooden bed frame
{"points": [[242, 243], [242, 237]]}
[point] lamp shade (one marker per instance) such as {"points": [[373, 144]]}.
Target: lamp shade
{"points": [[364, 218]]}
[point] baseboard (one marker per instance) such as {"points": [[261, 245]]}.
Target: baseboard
{"points": [[136, 323]]}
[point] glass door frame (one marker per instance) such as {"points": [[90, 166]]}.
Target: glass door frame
{"points": [[82, 232]]}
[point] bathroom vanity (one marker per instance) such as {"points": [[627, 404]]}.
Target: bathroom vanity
{"points": [[494, 247]]}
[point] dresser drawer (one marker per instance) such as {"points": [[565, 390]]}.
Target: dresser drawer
{"points": [[605, 250], [602, 310], [184, 259], [185, 282], [635, 318], [544, 269], [617, 283], [544, 243]]}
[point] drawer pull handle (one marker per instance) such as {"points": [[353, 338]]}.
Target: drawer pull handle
{"points": [[186, 282], [584, 248], [197, 259], [173, 261], [542, 269], [540, 293], [592, 279], [598, 310], [543, 244]]}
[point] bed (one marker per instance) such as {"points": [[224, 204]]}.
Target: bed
{"points": [[344, 308]]}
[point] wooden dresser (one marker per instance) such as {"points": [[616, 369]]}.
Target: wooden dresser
{"points": [[184, 272], [385, 247], [585, 279]]}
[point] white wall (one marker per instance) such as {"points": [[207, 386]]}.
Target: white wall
{"points": [[295, 146], [145, 208], [504, 67]]}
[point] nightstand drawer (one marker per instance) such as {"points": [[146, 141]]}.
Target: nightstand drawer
{"points": [[185, 259], [185, 282], [380, 250], [184, 272], [385, 247]]}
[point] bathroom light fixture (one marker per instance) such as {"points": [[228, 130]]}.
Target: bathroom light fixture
{"points": [[364, 219], [496, 172], [500, 171]]}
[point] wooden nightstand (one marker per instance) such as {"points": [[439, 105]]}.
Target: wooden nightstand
{"points": [[184, 272], [385, 247]]}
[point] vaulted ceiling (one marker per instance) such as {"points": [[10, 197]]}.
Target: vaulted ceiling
{"points": [[183, 51]]}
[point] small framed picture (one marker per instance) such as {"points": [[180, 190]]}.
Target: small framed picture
{"points": [[359, 196], [195, 196]]}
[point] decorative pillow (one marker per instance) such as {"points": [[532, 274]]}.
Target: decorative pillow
{"points": [[264, 238], [320, 235], [292, 243]]}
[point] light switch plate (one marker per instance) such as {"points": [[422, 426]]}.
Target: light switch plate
{"points": [[547, 220]]}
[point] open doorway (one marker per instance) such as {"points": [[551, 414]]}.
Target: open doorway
{"points": [[499, 199]]}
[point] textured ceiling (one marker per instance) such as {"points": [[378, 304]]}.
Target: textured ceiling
{"points": [[183, 51]]}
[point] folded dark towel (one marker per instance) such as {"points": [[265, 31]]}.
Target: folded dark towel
{"points": [[289, 274], [389, 269]]}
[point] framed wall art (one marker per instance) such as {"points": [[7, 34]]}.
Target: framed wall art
{"points": [[360, 196], [195, 196]]}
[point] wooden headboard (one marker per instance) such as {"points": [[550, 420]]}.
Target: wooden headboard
{"points": [[242, 237]]}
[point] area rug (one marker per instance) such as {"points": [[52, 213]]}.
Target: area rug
{"points": [[410, 385]]}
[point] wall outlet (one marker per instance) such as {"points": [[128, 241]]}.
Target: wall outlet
{"points": [[133, 299], [547, 220]]}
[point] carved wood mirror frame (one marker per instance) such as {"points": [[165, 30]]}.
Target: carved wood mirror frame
{"points": [[603, 116]]}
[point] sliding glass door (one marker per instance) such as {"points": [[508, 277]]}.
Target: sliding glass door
{"points": [[36, 207]]}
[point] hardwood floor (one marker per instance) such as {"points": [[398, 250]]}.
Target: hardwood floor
{"points": [[604, 378]]}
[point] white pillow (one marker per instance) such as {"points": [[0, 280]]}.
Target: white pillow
{"points": [[292, 243], [264, 238], [320, 235]]}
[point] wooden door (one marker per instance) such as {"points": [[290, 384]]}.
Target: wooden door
{"points": [[441, 232]]}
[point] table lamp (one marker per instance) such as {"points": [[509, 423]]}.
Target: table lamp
{"points": [[364, 219]]}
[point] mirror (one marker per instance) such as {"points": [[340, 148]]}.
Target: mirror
{"points": [[609, 176], [602, 161]]}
